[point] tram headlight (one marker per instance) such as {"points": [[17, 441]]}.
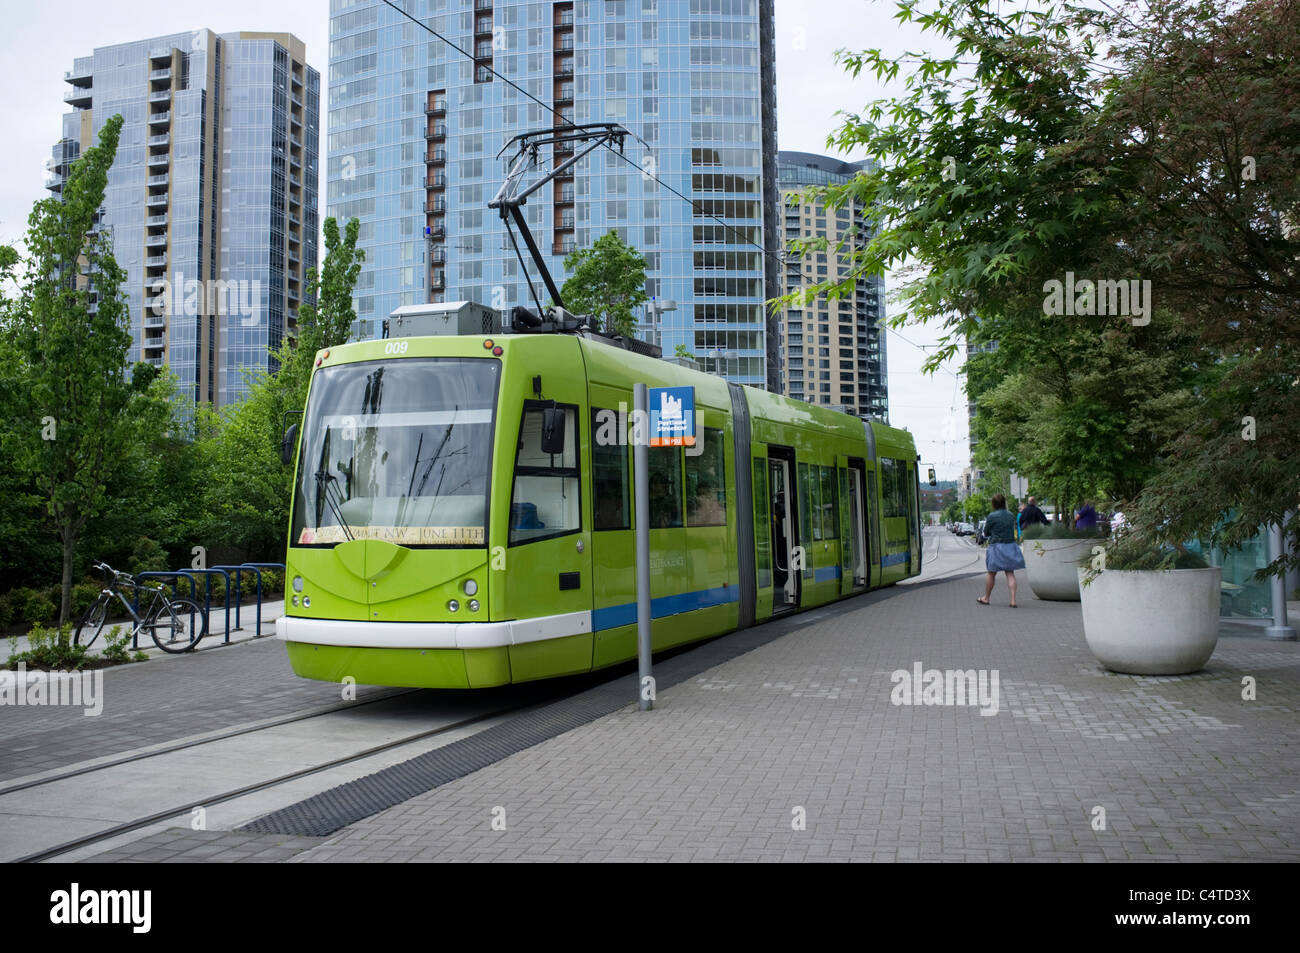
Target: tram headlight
{"points": [[297, 583], [306, 602], [295, 602], [473, 605], [452, 605], [470, 587]]}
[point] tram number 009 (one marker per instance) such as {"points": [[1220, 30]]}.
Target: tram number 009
{"points": [[396, 347]]}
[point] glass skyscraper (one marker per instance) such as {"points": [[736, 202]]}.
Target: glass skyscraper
{"points": [[415, 127], [834, 350], [212, 198]]}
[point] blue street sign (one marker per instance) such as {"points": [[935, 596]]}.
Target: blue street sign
{"points": [[672, 416]]}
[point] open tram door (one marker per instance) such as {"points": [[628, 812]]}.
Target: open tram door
{"points": [[787, 558], [854, 556]]}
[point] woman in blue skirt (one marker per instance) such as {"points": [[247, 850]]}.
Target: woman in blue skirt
{"points": [[1004, 554]]}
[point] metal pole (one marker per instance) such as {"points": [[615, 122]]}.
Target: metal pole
{"points": [[641, 478], [1279, 629]]}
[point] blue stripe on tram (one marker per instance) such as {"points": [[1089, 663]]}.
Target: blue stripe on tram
{"points": [[612, 617], [894, 559], [826, 574]]}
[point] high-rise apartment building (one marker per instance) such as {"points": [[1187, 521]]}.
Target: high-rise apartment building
{"points": [[834, 350], [211, 200], [415, 127]]}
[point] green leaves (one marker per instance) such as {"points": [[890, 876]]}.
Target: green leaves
{"points": [[608, 282]]}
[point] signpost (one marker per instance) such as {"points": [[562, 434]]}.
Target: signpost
{"points": [[670, 412]]}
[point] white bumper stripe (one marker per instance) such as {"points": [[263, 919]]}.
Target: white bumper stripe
{"points": [[430, 635]]}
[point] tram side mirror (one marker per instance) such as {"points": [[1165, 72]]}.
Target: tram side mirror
{"points": [[553, 430], [933, 480], [287, 444]]}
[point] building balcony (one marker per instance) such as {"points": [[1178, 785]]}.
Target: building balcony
{"points": [[436, 133], [436, 108], [564, 248], [156, 261], [295, 181], [564, 19], [161, 53], [162, 96], [435, 232], [292, 293], [565, 197], [482, 4], [564, 67], [79, 76], [439, 280], [161, 158], [294, 219], [483, 51], [438, 156], [295, 141], [155, 361], [438, 256], [482, 75], [293, 258], [160, 119], [564, 93], [161, 139], [295, 161], [154, 321], [54, 181], [156, 241], [153, 221], [295, 99], [565, 223], [293, 118], [436, 207], [157, 342], [164, 73], [483, 26], [438, 181]]}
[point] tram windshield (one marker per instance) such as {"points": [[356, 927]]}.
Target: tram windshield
{"points": [[399, 451]]}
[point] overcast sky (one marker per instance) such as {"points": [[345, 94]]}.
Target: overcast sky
{"points": [[41, 41]]}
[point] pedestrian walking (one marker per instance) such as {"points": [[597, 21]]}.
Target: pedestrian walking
{"points": [[1003, 553], [1085, 517], [1020, 529], [1032, 515]]}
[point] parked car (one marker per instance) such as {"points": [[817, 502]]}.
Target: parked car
{"points": [[965, 529], [979, 533]]}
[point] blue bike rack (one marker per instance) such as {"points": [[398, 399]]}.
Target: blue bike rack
{"points": [[258, 567]]}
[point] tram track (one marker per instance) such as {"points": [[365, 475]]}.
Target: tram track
{"points": [[187, 805]]}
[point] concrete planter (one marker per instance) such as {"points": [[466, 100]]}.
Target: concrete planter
{"points": [[1152, 623], [1051, 566]]}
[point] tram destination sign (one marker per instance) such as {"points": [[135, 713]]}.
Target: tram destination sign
{"points": [[672, 416]]}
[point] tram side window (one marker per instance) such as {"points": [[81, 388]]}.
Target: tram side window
{"points": [[609, 477], [830, 512], [706, 482], [893, 487], [762, 506], [665, 487], [806, 509], [546, 500]]}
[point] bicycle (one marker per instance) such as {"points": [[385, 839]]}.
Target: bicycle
{"points": [[175, 623]]}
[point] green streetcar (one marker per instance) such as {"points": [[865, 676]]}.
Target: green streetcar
{"points": [[434, 542]]}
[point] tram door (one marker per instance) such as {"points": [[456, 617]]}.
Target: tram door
{"points": [[785, 564], [852, 527]]}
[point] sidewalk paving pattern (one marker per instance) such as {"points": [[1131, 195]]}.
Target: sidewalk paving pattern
{"points": [[722, 769]]}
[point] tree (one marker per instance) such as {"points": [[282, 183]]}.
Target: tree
{"points": [[609, 281], [64, 356], [1025, 158]]}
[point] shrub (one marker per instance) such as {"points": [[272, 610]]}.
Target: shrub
{"points": [[1059, 531], [32, 607], [147, 556], [1130, 552], [6, 609], [51, 649], [84, 595]]}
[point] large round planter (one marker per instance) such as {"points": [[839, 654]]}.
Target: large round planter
{"points": [[1051, 566], [1152, 623]]}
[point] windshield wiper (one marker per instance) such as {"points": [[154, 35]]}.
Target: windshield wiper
{"points": [[326, 481]]}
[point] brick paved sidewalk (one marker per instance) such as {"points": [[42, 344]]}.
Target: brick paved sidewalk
{"points": [[1183, 767]]}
